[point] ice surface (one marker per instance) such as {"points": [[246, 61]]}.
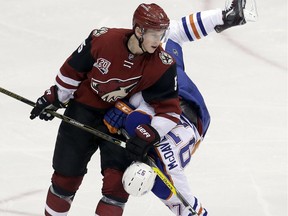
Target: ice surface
{"points": [[240, 169]]}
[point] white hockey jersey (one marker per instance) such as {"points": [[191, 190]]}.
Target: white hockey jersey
{"points": [[175, 150]]}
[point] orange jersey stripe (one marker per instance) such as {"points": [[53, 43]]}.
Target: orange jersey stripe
{"points": [[192, 23]]}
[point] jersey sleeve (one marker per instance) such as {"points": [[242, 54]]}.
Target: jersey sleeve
{"points": [[163, 97], [190, 93], [194, 26], [172, 155], [162, 124], [74, 70]]}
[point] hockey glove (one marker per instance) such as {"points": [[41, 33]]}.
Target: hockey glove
{"points": [[134, 119], [115, 117], [232, 16], [49, 101], [138, 146]]}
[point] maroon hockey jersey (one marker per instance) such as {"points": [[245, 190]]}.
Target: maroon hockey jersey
{"points": [[103, 70]]}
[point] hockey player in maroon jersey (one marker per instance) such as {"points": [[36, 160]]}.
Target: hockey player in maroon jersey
{"points": [[110, 64], [174, 152]]}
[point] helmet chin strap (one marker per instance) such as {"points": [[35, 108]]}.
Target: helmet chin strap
{"points": [[140, 40]]}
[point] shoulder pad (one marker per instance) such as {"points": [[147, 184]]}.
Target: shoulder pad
{"points": [[166, 58]]}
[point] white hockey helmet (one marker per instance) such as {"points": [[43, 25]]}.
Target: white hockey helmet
{"points": [[138, 179]]}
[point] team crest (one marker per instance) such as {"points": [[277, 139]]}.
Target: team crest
{"points": [[113, 89], [98, 32], [165, 58]]}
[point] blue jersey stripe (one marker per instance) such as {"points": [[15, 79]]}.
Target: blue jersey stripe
{"points": [[199, 20], [195, 204], [186, 29]]}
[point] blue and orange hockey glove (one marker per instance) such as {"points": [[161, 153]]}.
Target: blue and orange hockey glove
{"points": [[115, 117]]}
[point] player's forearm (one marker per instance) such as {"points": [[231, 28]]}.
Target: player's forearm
{"points": [[195, 26]]}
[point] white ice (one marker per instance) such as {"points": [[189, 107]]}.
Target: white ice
{"points": [[240, 168]]}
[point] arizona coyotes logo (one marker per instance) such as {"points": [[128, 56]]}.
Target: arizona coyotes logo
{"points": [[165, 58], [113, 89], [98, 32]]}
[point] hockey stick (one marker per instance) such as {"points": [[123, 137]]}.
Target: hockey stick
{"points": [[170, 185], [109, 139], [68, 119]]}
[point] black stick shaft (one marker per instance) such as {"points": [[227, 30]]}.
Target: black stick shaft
{"points": [[67, 119], [103, 136]]}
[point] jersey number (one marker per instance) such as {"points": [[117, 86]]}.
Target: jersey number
{"points": [[185, 151]]}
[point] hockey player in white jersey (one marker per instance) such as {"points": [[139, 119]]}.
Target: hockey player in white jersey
{"points": [[177, 146]]}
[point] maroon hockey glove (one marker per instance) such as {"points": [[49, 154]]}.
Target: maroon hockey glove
{"points": [[49, 101], [138, 146]]}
